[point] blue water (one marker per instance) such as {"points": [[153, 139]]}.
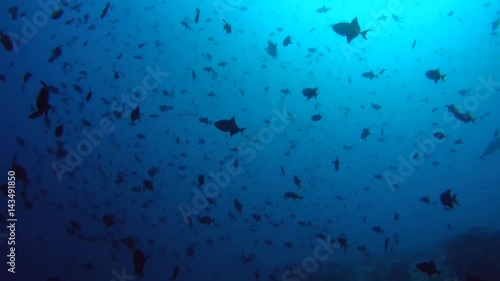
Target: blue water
{"points": [[143, 174]]}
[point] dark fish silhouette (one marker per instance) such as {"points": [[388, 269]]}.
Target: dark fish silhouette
{"points": [[343, 243], [386, 244], [57, 14], [197, 15], [207, 220], [377, 229], [139, 262], [365, 133], [310, 93], [428, 267], [272, 49], [491, 148], [435, 75], [296, 181], [287, 41], [175, 273], [460, 116], [292, 195], [59, 131], [229, 126], [7, 42], [56, 52], [201, 180], [205, 120], [448, 200], [105, 10], [369, 75], [323, 10], [349, 30], [316, 117], [336, 164], [135, 114], [27, 76], [42, 104], [237, 205], [226, 27]]}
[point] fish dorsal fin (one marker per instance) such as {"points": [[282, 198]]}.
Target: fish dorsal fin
{"points": [[354, 22]]}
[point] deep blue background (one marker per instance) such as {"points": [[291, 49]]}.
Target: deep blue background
{"points": [[456, 38]]}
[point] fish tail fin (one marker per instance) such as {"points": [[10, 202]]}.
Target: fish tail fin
{"points": [[363, 33], [455, 199], [442, 77], [36, 114]]}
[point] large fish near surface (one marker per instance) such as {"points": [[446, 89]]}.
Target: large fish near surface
{"points": [[492, 147]]}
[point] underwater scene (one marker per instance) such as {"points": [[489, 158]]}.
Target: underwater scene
{"points": [[250, 140]]}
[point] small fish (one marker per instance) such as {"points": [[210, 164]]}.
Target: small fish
{"points": [[175, 273], [226, 27], [439, 135], [323, 10], [135, 115], [494, 25], [57, 14], [201, 180], [448, 200], [336, 164], [365, 133], [414, 43], [386, 244], [435, 75], [287, 41], [310, 93], [229, 126], [59, 131], [377, 229], [292, 195], [26, 78], [139, 262], [316, 117], [428, 267], [425, 199], [197, 15], [104, 11], [237, 205], [369, 75], [296, 181], [56, 52]]}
